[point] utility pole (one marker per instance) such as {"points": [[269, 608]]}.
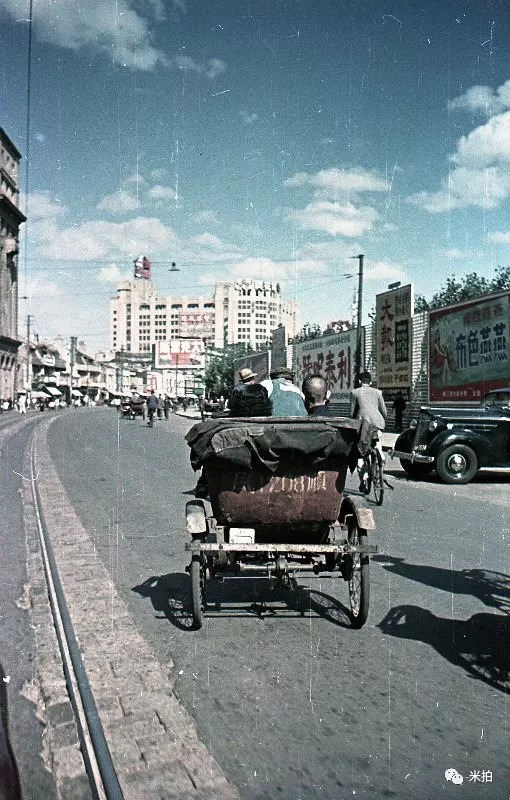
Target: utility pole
{"points": [[357, 360], [29, 364], [72, 358]]}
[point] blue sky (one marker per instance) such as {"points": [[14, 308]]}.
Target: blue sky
{"points": [[256, 138]]}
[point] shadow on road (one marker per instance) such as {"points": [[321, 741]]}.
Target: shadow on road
{"points": [[171, 595], [9, 778], [480, 644], [492, 588]]}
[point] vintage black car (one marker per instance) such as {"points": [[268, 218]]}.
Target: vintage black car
{"points": [[457, 442]]}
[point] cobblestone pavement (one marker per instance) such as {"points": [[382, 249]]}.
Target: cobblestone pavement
{"points": [[152, 739]]}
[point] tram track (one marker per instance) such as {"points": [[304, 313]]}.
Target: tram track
{"points": [[102, 777]]}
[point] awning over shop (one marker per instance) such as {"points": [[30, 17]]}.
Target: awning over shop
{"points": [[38, 394], [53, 391], [76, 393]]}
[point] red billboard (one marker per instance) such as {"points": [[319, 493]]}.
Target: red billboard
{"points": [[180, 354]]}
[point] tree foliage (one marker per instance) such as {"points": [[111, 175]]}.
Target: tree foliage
{"points": [[468, 287], [219, 373]]}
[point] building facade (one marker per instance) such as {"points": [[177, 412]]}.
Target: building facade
{"points": [[248, 311], [10, 220], [139, 317]]}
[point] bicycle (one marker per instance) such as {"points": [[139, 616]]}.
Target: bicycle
{"points": [[371, 474]]}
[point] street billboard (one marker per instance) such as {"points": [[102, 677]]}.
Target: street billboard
{"points": [[278, 347], [469, 349], [333, 357], [394, 313], [259, 363], [196, 323], [180, 353]]}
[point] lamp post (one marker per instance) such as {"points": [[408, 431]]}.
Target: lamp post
{"points": [[357, 359]]}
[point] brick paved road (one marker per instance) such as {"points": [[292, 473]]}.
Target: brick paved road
{"points": [[295, 705]]}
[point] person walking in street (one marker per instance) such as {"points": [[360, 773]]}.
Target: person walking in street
{"points": [[167, 406], [367, 403], [22, 403], [152, 407], [285, 398], [399, 406], [316, 393]]}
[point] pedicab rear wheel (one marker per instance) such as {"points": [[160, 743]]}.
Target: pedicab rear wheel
{"points": [[359, 578], [197, 582]]}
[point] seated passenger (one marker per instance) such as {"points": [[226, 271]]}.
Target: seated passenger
{"points": [[285, 398], [249, 399], [316, 395]]}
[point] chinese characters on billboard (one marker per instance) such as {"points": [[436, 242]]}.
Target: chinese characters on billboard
{"points": [[394, 313], [196, 323], [180, 354], [331, 356], [469, 351]]}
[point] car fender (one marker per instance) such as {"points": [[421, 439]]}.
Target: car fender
{"points": [[446, 438], [405, 441]]}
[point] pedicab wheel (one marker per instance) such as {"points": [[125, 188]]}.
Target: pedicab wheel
{"points": [[359, 580], [378, 478], [197, 578]]}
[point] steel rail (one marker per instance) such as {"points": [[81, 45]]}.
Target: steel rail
{"points": [[103, 779]]}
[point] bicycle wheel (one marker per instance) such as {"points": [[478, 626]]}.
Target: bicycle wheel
{"points": [[197, 582], [367, 472], [378, 477], [359, 579]]}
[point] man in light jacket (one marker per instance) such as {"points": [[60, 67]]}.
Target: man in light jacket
{"points": [[368, 403]]}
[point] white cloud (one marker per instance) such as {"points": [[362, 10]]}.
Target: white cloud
{"points": [[96, 239], [159, 192], [116, 30], [117, 202], [499, 237], [213, 242], [383, 271], [42, 207], [336, 219], [248, 118], [208, 216], [339, 180], [159, 174], [113, 274], [481, 170], [483, 98], [260, 268], [213, 68]]}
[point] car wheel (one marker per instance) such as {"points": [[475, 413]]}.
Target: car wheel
{"points": [[457, 464], [415, 469]]}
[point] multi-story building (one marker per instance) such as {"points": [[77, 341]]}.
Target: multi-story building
{"points": [[248, 311], [139, 317], [10, 220]]}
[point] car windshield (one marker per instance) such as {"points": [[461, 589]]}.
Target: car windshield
{"points": [[499, 399]]}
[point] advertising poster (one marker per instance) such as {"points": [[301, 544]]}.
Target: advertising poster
{"points": [[469, 349], [394, 312], [278, 348], [259, 363], [180, 354], [196, 323], [333, 357]]}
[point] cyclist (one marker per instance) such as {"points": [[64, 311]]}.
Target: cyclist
{"points": [[368, 403], [152, 407]]}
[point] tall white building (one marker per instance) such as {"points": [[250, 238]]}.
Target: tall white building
{"points": [[139, 317], [248, 311]]}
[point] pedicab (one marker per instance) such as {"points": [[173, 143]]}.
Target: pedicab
{"points": [[137, 406], [276, 490]]}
